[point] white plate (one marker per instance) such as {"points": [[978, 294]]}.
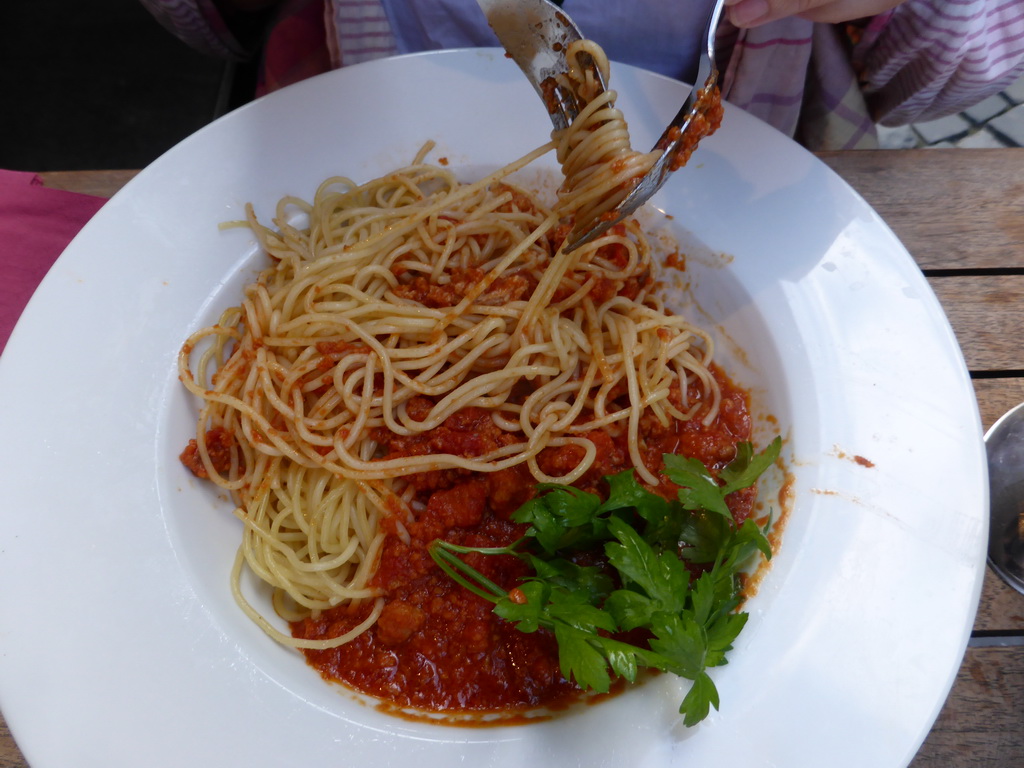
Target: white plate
{"points": [[119, 642]]}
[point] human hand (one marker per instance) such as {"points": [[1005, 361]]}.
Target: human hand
{"points": [[754, 13]]}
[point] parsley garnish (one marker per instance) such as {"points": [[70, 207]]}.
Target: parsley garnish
{"points": [[648, 541]]}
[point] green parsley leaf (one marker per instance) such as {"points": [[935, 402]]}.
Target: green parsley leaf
{"points": [[626, 492], [698, 702], [721, 634], [562, 517], [704, 597], [701, 491], [569, 608], [745, 540], [623, 662], [663, 519], [589, 582], [703, 536], [630, 609], [743, 471], [580, 660], [528, 616], [680, 640], [662, 577]]}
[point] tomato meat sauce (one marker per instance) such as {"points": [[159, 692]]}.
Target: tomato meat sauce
{"points": [[438, 647]]}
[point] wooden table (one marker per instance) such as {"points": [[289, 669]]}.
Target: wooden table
{"points": [[960, 213]]}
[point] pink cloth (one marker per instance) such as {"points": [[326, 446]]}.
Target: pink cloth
{"points": [[36, 225]]}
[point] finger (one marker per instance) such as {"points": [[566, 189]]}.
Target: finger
{"points": [[749, 13], [838, 11]]}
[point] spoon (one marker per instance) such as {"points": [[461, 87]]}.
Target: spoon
{"points": [[1004, 443]]}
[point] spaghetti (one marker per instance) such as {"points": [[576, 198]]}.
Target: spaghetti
{"points": [[394, 306], [598, 162]]}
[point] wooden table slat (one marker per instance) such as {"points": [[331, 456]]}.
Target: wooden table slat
{"points": [[997, 396], [1001, 609], [99, 183], [952, 209], [982, 722], [987, 315]]}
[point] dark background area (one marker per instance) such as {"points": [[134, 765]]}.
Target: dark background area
{"points": [[87, 84]]}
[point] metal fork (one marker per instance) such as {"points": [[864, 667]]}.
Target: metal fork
{"points": [[536, 33]]}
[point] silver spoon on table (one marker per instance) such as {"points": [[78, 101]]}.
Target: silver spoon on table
{"points": [[1004, 443]]}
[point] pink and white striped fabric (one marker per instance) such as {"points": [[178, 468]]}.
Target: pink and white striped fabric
{"points": [[929, 58], [199, 24], [360, 31]]}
